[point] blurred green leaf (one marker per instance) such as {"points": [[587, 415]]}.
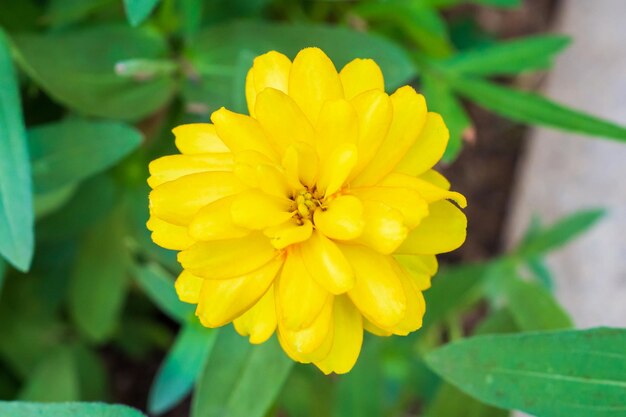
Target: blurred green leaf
{"points": [[534, 109], [138, 10], [540, 270], [495, 3], [18, 15], [442, 100], [16, 205], [501, 321], [158, 284], [511, 57], [77, 68], [452, 402], [67, 152], [217, 51], [3, 271], [139, 337], [574, 373], [99, 281], [63, 12], [55, 379], [306, 393], [24, 409], [239, 379], [181, 367], [49, 202], [557, 235], [91, 373]]}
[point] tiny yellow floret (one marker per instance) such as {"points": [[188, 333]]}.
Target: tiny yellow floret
{"points": [[315, 217]]}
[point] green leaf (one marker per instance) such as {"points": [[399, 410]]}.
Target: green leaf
{"points": [[239, 379], [562, 232], [574, 373], [441, 100], [499, 3], [49, 202], [55, 379], [534, 109], [65, 153], [138, 10], [99, 281], [218, 50], [181, 367], [16, 202], [78, 69], [64, 12], [506, 58], [158, 285], [24, 409], [3, 272], [452, 402], [91, 373]]}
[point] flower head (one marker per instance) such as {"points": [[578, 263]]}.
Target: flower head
{"points": [[316, 216]]}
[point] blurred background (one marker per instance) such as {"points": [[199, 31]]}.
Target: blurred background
{"points": [[533, 92]]}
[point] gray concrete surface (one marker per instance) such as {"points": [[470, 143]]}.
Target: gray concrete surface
{"points": [[561, 172]]}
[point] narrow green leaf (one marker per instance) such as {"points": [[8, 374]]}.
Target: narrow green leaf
{"points": [[65, 153], [3, 272], [78, 69], [92, 374], [16, 202], [55, 379], [511, 57], [560, 233], [239, 379], [158, 284], [499, 3], [24, 409], [64, 12], [181, 367], [99, 281], [49, 202], [534, 109], [573, 373], [138, 10]]}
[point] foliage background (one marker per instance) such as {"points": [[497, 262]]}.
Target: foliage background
{"points": [[89, 91]]}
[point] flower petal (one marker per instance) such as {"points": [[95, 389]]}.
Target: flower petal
{"points": [[442, 231], [429, 192], [168, 235], [436, 179], [301, 164], [384, 227], [342, 219], [420, 267], [407, 201], [288, 233], [415, 306], [327, 264], [361, 75], [242, 133], [260, 321], [311, 343], [214, 222], [313, 80], [256, 210], [337, 124], [188, 287], [336, 168], [197, 138], [428, 148], [171, 167]]}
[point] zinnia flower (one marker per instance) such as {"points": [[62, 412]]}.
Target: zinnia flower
{"points": [[316, 216]]}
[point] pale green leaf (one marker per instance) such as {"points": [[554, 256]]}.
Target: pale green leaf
{"points": [[54, 379], [138, 10], [25, 409]]}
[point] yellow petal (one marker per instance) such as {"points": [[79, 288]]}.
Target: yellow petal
{"points": [[288, 233], [429, 192], [188, 287], [312, 81], [373, 329], [271, 70], [408, 202], [384, 227], [341, 219], [374, 112], [420, 267], [442, 231], [428, 148], [336, 167], [301, 164], [361, 75], [242, 133], [221, 301], [222, 259], [256, 210], [260, 321], [171, 167], [311, 343], [347, 341], [198, 138], [246, 163], [214, 222], [179, 200], [415, 306], [250, 92], [168, 235], [409, 114], [272, 180], [282, 119], [378, 292], [299, 296], [327, 263], [436, 179], [337, 124]]}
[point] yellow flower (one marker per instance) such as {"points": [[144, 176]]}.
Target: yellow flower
{"points": [[316, 216]]}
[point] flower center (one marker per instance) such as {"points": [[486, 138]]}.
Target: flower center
{"points": [[305, 204]]}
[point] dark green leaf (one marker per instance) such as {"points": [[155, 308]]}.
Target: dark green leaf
{"points": [[533, 109], [16, 202], [91, 373], [158, 284], [510, 57], [181, 367], [218, 50], [239, 379], [452, 402], [99, 281], [3, 271], [78, 69], [55, 379], [557, 235], [24, 409], [49, 202], [574, 373], [63, 12], [65, 153], [501, 321], [138, 10]]}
